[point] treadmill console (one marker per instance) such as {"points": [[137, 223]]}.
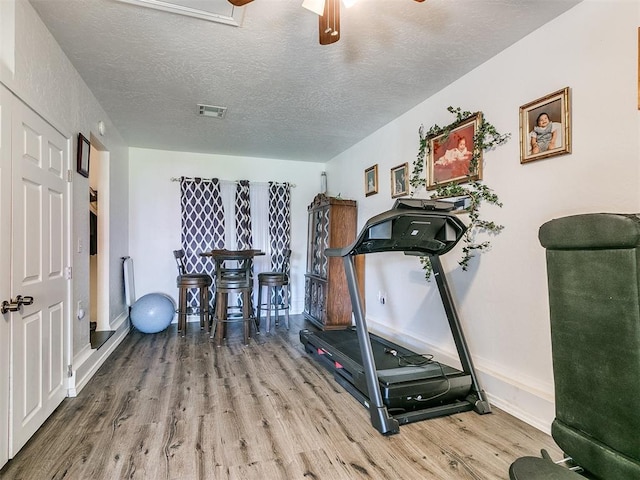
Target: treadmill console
{"points": [[413, 226], [423, 204]]}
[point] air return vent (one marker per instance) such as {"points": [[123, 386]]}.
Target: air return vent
{"points": [[211, 111], [218, 11]]}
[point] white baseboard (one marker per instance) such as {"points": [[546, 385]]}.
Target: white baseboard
{"points": [[87, 362]]}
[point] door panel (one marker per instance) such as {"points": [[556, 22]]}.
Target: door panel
{"points": [[39, 239], [56, 378], [29, 356]]}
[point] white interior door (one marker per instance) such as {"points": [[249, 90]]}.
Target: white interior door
{"points": [[5, 263], [40, 195]]}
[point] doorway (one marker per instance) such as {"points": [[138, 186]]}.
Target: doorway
{"points": [[99, 318]]}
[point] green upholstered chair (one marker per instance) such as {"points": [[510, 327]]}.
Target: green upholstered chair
{"points": [[593, 269]]}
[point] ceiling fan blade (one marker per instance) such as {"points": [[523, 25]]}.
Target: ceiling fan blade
{"points": [[239, 3], [329, 23]]}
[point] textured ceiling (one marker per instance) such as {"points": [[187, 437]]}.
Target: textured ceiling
{"points": [[287, 96]]}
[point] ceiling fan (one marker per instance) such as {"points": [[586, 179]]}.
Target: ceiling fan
{"points": [[328, 12]]}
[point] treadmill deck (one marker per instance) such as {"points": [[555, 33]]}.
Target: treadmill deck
{"points": [[408, 381]]}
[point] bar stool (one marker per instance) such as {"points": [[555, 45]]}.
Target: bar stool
{"points": [[232, 280], [274, 281], [185, 282]]}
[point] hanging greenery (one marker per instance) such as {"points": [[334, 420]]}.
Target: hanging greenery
{"points": [[485, 138]]}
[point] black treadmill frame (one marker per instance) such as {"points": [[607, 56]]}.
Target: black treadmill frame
{"points": [[384, 422]]}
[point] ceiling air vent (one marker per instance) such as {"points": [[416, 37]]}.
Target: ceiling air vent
{"points": [[218, 11], [211, 111]]}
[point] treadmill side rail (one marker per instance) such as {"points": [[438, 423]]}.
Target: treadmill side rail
{"points": [[380, 418], [458, 335]]}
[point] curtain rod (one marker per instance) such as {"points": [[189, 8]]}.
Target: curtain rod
{"points": [[177, 179]]}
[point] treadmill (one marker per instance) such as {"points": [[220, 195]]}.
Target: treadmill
{"points": [[397, 385]]}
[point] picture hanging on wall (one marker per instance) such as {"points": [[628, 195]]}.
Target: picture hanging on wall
{"points": [[83, 155], [545, 127], [400, 180], [451, 155], [371, 180]]}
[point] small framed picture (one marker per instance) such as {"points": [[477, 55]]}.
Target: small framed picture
{"points": [[400, 180], [545, 129], [84, 148], [453, 157], [371, 180]]}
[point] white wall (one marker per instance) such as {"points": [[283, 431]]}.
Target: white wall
{"points": [[502, 299], [155, 209], [34, 67]]}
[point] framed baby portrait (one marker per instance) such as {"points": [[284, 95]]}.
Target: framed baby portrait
{"points": [[371, 180], [545, 127], [400, 180], [453, 157]]}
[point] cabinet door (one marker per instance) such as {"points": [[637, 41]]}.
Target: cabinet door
{"points": [[307, 295], [319, 241], [318, 301]]}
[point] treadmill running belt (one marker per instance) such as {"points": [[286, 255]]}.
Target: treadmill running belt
{"points": [[346, 342]]}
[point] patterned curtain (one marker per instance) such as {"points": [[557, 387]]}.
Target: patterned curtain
{"points": [[202, 224], [279, 229], [244, 239], [243, 216]]}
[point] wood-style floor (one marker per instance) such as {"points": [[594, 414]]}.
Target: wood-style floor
{"points": [[166, 407]]}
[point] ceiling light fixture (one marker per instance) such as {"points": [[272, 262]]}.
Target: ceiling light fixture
{"points": [[328, 12]]}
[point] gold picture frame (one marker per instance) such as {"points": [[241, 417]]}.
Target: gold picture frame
{"points": [[371, 180], [400, 180], [545, 127], [453, 157]]}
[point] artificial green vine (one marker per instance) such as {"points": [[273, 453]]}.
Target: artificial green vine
{"points": [[485, 138]]}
